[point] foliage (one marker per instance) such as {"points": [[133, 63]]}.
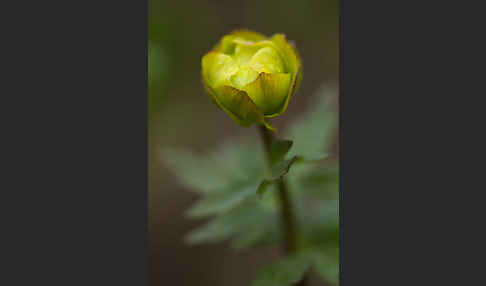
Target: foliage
{"points": [[239, 196], [284, 272]]}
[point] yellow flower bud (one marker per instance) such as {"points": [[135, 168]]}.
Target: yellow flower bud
{"points": [[252, 77]]}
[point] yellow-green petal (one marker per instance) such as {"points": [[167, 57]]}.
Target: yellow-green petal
{"points": [[293, 63], [239, 106], [218, 68], [288, 53], [269, 92], [267, 60], [227, 44], [244, 53], [243, 77], [248, 35]]}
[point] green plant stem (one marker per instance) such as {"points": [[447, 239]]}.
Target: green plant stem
{"points": [[288, 217]]}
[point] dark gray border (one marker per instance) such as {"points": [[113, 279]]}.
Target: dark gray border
{"points": [[74, 186], [404, 211]]}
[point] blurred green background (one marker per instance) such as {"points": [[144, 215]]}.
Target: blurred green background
{"points": [[181, 115]]}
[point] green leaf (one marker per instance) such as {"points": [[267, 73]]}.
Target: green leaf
{"points": [[221, 201], [264, 185], [281, 169], [315, 157], [247, 224], [285, 272], [264, 232], [228, 165], [313, 134], [317, 210], [228, 179], [327, 266], [326, 262], [319, 222], [277, 172], [250, 157], [198, 172], [216, 230], [321, 183], [279, 149]]}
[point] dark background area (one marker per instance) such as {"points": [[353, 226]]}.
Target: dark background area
{"points": [[181, 115]]}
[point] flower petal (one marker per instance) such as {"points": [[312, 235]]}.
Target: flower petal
{"points": [[293, 63], [239, 106], [267, 60], [288, 53], [243, 77], [227, 43], [269, 91], [244, 53], [217, 68]]}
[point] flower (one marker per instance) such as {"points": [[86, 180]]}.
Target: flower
{"points": [[252, 77]]}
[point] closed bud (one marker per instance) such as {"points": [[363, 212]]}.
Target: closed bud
{"points": [[252, 77]]}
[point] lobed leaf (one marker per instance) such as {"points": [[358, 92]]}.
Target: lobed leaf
{"points": [[326, 262], [279, 149], [321, 183], [285, 272], [221, 201], [327, 265], [278, 171], [319, 222], [314, 132], [223, 168], [247, 224]]}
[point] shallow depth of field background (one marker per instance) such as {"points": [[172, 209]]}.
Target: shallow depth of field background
{"points": [[181, 114]]}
